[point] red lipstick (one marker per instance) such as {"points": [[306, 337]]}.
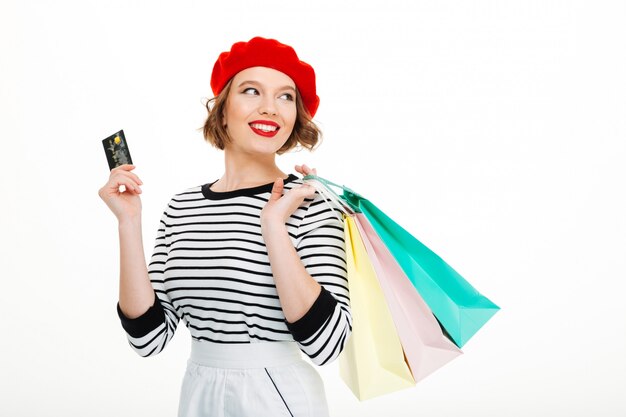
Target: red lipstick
{"points": [[265, 128]]}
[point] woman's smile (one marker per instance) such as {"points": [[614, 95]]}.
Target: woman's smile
{"points": [[265, 128]]}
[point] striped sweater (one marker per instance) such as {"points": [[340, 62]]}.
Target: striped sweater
{"points": [[210, 268]]}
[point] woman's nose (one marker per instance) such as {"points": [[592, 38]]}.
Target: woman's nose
{"points": [[267, 106]]}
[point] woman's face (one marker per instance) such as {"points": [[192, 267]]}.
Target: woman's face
{"points": [[260, 110]]}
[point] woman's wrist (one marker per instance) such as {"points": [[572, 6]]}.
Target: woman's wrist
{"points": [[129, 222], [270, 228]]}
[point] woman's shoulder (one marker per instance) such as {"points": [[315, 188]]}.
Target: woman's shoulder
{"points": [[189, 192], [184, 197]]}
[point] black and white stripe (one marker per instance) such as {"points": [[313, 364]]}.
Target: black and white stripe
{"points": [[210, 268]]}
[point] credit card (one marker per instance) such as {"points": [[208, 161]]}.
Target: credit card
{"points": [[116, 150]]}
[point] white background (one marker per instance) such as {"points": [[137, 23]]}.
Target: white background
{"points": [[492, 130]]}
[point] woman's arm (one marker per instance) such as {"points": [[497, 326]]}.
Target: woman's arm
{"points": [[149, 332], [297, 290], [147, 325], [310, 278], [136, 293]]}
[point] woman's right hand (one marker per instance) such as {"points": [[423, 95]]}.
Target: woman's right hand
{"points": [[125, 205]]}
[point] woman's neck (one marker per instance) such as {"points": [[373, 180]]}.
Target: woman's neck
{"points": [[246, 171]]}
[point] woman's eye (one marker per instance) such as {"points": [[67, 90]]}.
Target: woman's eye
{"points": [[250, 90], [287, 96]]}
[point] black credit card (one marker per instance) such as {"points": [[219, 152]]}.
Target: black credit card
{"points": [[116, 150]]}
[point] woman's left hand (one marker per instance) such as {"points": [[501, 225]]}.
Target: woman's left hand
{"points": [[279, 207]]}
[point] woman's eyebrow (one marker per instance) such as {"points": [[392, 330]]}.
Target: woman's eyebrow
{"points": [[285, 87]]}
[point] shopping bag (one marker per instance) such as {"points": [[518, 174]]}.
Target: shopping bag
{"points": [[372, 362], [425, 346], [456, 304]]}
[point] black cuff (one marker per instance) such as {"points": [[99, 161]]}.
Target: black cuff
{"points": [[144, 324], [317, 315]]}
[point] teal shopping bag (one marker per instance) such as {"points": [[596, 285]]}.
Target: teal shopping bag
{"points": [[458, 306]]}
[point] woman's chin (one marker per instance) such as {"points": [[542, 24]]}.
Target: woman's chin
{"points": [[269, 148]]}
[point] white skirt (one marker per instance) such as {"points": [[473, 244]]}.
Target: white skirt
{"points": [[250, 379]]}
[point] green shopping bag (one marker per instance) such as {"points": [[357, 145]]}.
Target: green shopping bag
{"points": [[457, 305]]}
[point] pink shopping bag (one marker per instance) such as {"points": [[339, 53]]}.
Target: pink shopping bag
{"points": [[425, 346]]}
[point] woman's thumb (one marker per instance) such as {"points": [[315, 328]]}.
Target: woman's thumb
{"points": [[277, 189]]}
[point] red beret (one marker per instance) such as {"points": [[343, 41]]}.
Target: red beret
{"points": [[261, 52]]}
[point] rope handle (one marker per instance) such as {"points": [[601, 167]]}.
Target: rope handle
{"points": [[328, 182], [346, 203]]}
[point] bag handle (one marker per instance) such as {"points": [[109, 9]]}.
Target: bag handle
{"points": [[337, 206], [347, 202]]}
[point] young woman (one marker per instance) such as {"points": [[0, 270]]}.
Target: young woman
{"points": [[254, 263]]}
